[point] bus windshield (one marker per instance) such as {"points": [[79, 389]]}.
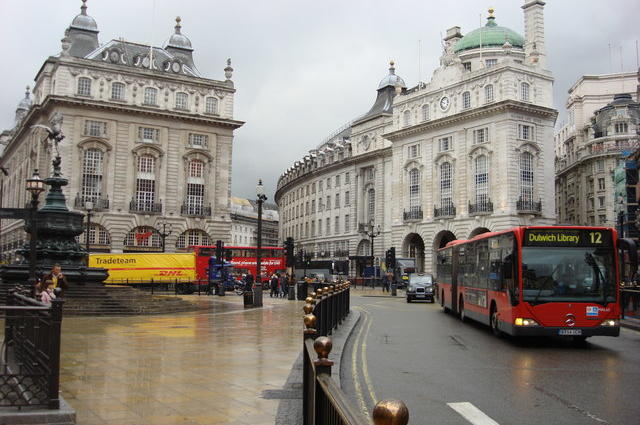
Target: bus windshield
{"points": [[577, 274]]}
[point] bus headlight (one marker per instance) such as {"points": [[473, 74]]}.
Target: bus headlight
{"points": [[520, 321], [610, 322]]}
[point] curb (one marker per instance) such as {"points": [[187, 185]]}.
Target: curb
{"points": [[289, 410], [630, 324]]}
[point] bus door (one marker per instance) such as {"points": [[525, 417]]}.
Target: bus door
{"points": [[454, 278]]}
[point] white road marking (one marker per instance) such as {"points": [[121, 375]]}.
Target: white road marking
{"points": [[472, 413]]}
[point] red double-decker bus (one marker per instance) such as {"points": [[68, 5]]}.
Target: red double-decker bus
{"points": [[243, 259], [531, 281]]}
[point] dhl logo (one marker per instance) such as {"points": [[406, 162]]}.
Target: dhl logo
{"points": [[170, 273]]}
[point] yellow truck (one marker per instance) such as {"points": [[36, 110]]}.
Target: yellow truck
{"points": [[165, 267]]}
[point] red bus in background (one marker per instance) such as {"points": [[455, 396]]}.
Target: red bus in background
{"points": [[243, 259], [533, 281]]}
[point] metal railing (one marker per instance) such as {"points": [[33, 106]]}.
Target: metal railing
{"points": [[323, 400], [145, 206], [195, 210], [30, 366], [481, 207], [413, 214], [447, 210], [98, 202], [529, 206]]}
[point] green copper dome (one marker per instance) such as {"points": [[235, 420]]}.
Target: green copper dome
{"points": [[490, 35]]}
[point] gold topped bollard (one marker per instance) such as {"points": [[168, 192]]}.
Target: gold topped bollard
{"points": [[390, 412], [310, 325], [308, 308], [323, 345], [310, 300]]}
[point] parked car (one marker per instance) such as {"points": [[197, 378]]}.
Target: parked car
{"points": [[420, 287]]}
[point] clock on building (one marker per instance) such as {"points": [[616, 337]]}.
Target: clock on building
{"points": [[444, 103]]}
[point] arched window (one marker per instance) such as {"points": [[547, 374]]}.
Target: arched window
{"points": [[488, 93], [466, 100], [117, 91], [194, 202], [91, 175], [143, 237], [211, 105], [193, 237], [414, 190], [145, 185], [84, 86], [182, 101], [425, 112], [524, 92], [526, 177], [371, 205], [446, 198], [150, 96], [406, 118], [98, 235], [482, 181]]}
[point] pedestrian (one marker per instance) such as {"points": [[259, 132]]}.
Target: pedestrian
{"points": [[284, 285], [273, 286], [57, 278], [47, 294], [386, 282]]}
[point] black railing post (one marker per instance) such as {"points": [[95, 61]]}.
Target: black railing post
{"points": [[55, 334], [322, 346]]}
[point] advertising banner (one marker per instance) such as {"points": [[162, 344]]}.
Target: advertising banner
{"points": [[144, 267]]}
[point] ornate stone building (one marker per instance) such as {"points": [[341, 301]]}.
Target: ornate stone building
{"points": [[244, 223], [148, 141], [469, 151], [601, 130]]}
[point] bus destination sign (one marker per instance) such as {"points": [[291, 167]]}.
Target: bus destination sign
{"points": [[567, 237]]}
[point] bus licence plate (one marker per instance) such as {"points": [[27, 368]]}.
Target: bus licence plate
{"points": [[570, 332]]}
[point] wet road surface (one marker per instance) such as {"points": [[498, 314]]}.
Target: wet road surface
{"points": [[446, 370]]}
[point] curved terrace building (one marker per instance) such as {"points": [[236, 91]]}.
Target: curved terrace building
{"points": [[468, 152]]}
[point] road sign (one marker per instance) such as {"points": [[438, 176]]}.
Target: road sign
{"points": [[14, 213]]}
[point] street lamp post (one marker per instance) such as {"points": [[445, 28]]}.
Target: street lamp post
{"points": [[372, 232], [88, 205], [164, 232], [35, 186], [260, 198]]}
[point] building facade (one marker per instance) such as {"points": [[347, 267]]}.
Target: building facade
{"points": [[148, 141], [602, 129], [465, 153], [244, 223]]}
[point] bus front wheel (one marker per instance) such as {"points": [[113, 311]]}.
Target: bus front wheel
{"points": [[494, 321]]}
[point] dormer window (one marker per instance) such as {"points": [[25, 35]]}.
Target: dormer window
{"points": [[182, 101], [491, 62], [621, 128], [84, 86], [467, 66], [211, 105]]}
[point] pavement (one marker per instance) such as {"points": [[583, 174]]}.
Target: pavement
{"points": [[207, 367]]}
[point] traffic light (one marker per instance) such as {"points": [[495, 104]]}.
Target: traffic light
{"points": [[288, 252], [219, 251], [390, 258]]}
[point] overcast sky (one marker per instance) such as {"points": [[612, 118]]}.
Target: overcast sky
{"points": [[304, 68]]}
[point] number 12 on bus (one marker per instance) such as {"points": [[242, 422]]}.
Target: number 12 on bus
{"points": [[531, 281]]}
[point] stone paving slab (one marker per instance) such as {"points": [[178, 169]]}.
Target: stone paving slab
{"points": [[205, 367]]}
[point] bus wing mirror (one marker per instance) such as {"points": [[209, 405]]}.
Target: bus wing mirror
{"points": [[630, 246]]}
